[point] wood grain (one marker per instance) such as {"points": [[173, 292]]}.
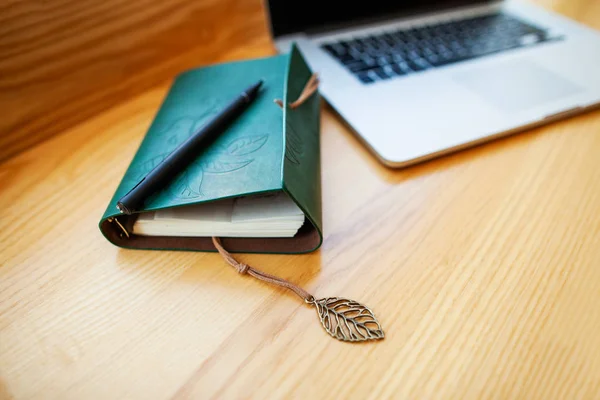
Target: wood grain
{"points": [[63, 61], [482, 266]]}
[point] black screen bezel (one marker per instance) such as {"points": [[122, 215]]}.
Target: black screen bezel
{"points": [[279, 28]]}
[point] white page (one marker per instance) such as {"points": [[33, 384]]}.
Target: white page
{"points": [[273, 215], [220, 210], [265, 208]]}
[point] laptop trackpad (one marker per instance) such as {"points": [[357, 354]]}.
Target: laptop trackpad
{"points": [[516, 85]]}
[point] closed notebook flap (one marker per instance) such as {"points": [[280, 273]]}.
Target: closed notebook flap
{"points": [[302, 161], [246, 159]]}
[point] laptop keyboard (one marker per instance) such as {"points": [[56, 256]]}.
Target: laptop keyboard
{"points": [[397, 53]]}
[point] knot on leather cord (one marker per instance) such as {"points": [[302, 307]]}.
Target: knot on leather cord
{"points": [[255, 273], [242, 268]]}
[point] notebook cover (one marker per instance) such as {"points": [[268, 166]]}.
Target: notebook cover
{"points": [[266, 149]]}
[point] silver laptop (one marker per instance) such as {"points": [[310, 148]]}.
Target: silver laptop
{"points": [[419, 78]]}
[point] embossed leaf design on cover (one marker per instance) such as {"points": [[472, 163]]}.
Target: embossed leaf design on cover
{"points": [[220, 159], [188, 186], [348, 320], [294, 145], [246, 145], [219, 166]]}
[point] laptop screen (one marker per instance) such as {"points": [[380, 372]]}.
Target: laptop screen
{"points": [[289, 16]]}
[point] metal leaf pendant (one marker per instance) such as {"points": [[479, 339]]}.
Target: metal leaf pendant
{"points": [[347, 320]]}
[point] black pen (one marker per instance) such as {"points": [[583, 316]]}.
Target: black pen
{"points": [[185, 153]]}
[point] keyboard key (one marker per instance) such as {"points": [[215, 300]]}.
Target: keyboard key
{"points": [[413, 55], [356, 54], [462, 52], [455, 45], [401, 68], [389, 70], [381, 73], [365, 77], [398, 58], [372, 52], [358, 66], [369, 61], [346, 59], [389, 39], [418, 64], [384, 60], [440, 48], [329, 49], [432, 58], [400, 37]]}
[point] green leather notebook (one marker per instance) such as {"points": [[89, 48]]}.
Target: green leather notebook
{"points": [[267, 152]]}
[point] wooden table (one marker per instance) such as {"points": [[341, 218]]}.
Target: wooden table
{"points": [[483, 268]]}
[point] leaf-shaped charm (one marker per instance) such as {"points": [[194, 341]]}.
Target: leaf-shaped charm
{"points": [[219, 167], [246, 145], [348, 320]]}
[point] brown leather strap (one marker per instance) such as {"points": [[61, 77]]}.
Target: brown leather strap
{"points": [[311, 86], [263, 276]]}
